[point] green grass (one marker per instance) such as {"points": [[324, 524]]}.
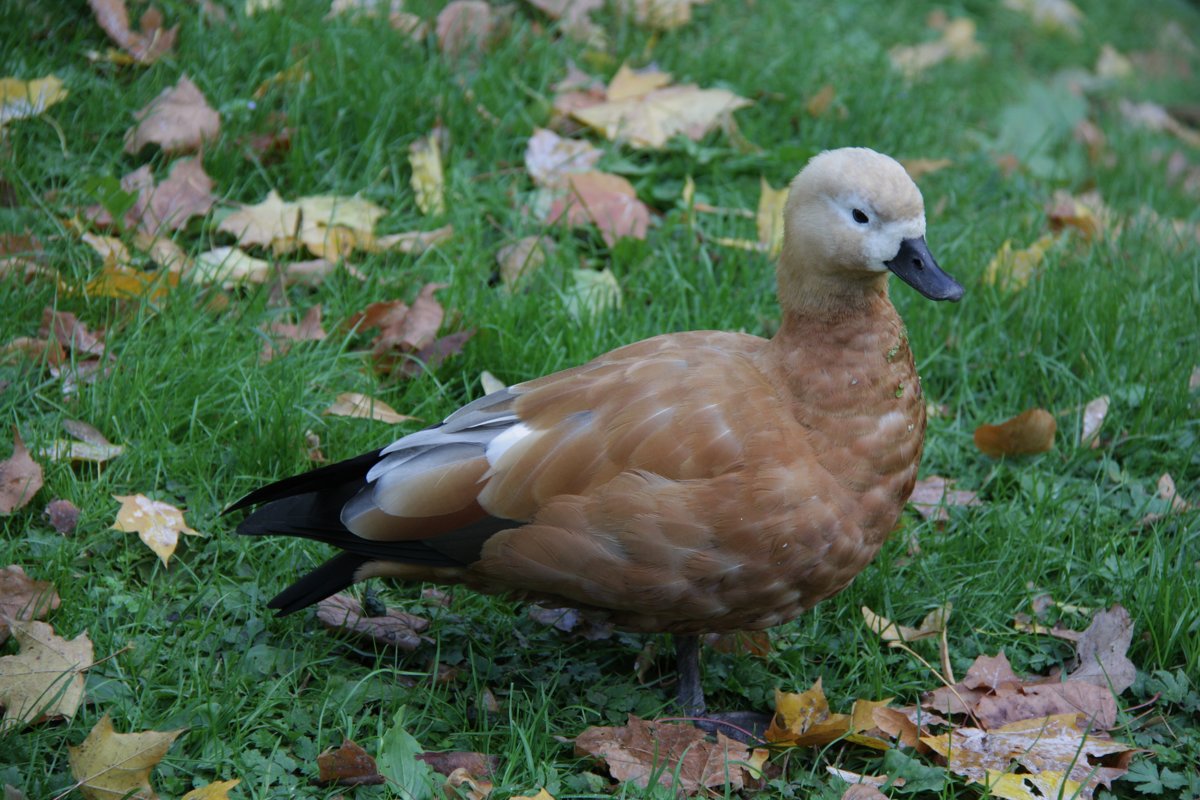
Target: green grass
{"points": [[203, 422]]}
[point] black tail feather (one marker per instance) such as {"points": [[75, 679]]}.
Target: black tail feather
{"points": [[330, 578], [352, 471]]}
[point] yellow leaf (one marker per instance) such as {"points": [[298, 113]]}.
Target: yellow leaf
{"points": [[1060, 16], [297, 73], [229, 267], [427, 180], [360, 406], [66, 450], [111, 249], [957, 42], [158, 524], [45, 679], [411, 242], [918, 168], [820, 102], [804, 719], [933, 624], [110, 765], [770, 217], [1032, 787], [217, 790], [541, 795], [121, 282], [593, 292], [263, 223], [24, 99], [627, 83], [1011, 269]]}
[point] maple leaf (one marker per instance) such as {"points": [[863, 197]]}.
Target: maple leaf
{"points": [[88, 444], [461, 783], [146, 46], [1086, 214], [24, 99], [1093, 417], [283, 334], [360, 406], [23, 598], [669, 754], [229, 267], [957, 43], [643, 111], [20, 477], [465, 25], [550, 158], [45, 679], [407, 333], [1102, 648], [804, 718], [865, 791], [933, 495], [523, 257], [1028, 433], [262, 223], [347, 765], [607, 201], [217, 790], [768, 220], [158, 524], [428, 181], [179, 120], [108, 765], [1011, 269], [392, 629]]}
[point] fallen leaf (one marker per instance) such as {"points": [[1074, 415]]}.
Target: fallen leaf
{"points": [[333, 225], [403, 330], [592, 293], [158, 524], [428, 182], [186, 193], [179, 120], [957, 42], [1027, 433], [281, 335], [63, 516], [519, 259], [803, 719], [1023, 701], [411, 242], [933, 625], [88, 445], [990, 673], [228, 267], [918, 168], [24, 99], [861, 791], [820, 102], [645, 113], [217, 790], [1154, 117], [1093, 417], [20, 477], [1011, 269], [464, 25], [769, 218], [38, 350], [263, 223], [393, 629], [607, 201], [461, 783], [669, 754], [65, 328], [1086, 214], [755, 643], [1056, 16], [108, 765], [1023, 623], [112, 251], [659, 15], [1013, 786], [146, 46], [932, 496], [474, 763], [434, 353], [1111, 64], [572, 621], [574, 18], [45, 679], [23, 598], [353, 404], [550, 158], [348, 765], [542, 793], [1102, 649]]}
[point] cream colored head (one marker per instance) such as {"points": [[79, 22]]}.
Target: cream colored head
{"points": [[849, 214]]}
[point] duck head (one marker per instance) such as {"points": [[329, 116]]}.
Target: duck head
{"points": [[852, 217]]}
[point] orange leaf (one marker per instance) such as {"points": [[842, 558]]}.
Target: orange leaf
{"points": [[1025, 434]]}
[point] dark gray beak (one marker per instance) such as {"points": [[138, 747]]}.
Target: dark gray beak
{"points": [[915, 265]]}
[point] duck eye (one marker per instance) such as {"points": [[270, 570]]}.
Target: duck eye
{"points": [[860, 217]]}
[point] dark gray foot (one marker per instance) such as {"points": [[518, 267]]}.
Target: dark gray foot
{"points": [[747, 727], [689, 694]]}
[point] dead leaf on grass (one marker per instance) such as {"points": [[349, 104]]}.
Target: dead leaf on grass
{"points": [[62, 515], [607, 201], [918, 168], [360, 406], [574, 18], [863, 791], [592, 293], [932, 496], [347, 765], [156, 523], [281, 335], [144, 46], [465, 25], [20, 477], [1085, 214], [957, 42], [517, 260], [1102, 648], [179, 120], [1028, 433], [933, 625], [87, 444], [217, 790], [1011, 270], [392, 629], [1093, 417], [1154, 117], [660, 15], [1054, 16], [428, 181], [45, 679], [23, 598], [448, 763], [109, 765], [572, 621], [461, 783], [24, 99], [550, 158], [804, 718]]}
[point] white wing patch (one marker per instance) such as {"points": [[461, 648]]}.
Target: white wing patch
{"points": [[498, 446]]}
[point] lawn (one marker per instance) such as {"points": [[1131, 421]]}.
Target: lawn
{"points": [[1110, 309]]}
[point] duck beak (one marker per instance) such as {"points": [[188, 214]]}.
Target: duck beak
{"points": [[916, 266]]}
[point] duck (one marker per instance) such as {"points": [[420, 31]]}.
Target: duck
{"points": [[690, 483]]}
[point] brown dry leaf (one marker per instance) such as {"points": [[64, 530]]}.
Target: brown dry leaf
{"points": [[956, 699], [393, 629], [550, 158], [1093, 417], [186, 193], [1056, 16], [918, 168], [348, 765], [65, 328], [933, 625], [641, 110], [146, 46], [820, 102], [461, 783], [957, 43], [1018, 702], [933, 495], [217, 790], [1154, 117], [573, 621], [281, 335], [24, 99], [1011, 269], [519, 259], [755, 643], [861, 791], [434, 353], [411, 242], [474, 763], [1102, 648], [403, 330], [1027, 433], [45, 679], [179, 120], [1086, 213], [1059, 743], [88, 444], [542, 793], [465, 25], [360, 406], [670, 754], [115, 254], [573, 17], [804, 719], [49, 351], [23, 598], [63, 516], [428, 180], [110, 765], [20, 477], [990, 673], [660, 15], [607, 201], [1023, 623], [156, 523]]}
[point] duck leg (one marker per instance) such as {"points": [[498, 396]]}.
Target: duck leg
{"points": [[690, 694]]}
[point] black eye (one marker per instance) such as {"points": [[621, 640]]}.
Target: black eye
{"points": [[860, 217]]}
